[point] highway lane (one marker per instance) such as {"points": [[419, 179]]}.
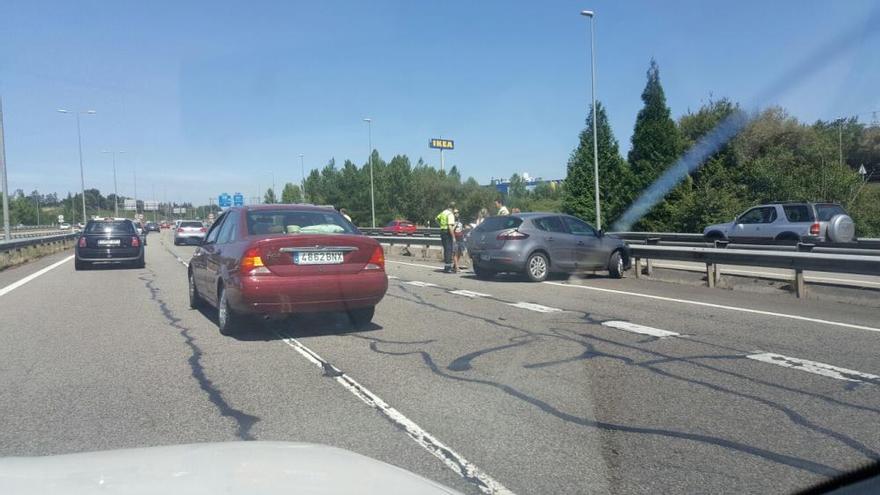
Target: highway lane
{"points": [[544, 402]]}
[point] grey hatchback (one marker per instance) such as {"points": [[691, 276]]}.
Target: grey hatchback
{"points": [[538, 244]]}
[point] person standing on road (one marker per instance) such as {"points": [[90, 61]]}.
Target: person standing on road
{"points": [[446, 220], [458, 236], [502, 210]]}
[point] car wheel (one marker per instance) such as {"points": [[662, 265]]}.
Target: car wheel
{"points": [[537, 267], [361, 317], [714, 236], [615, 265], [227, 321], [195, 300], [483, 273], [79, 265]]}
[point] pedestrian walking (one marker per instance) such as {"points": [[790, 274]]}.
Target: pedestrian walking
{"points": [[446, 220], [502, 210]]}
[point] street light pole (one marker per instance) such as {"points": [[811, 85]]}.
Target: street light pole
{"points": [[115, 189], [82, 180], [302, 172], [592, 16], [372, 196], [7, 233]]}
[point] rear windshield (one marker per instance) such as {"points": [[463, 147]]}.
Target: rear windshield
{"points": [[797, 213], [197, 225], [492, 224], [827, 212], [265, 222], [115, 227]]}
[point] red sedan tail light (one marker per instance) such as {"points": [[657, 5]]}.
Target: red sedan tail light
{"points": [[252, 263], [377, 260], [512, 235], [814, 229], [82, 242], [135, 241]]}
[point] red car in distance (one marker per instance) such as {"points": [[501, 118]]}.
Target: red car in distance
{"points": [[399, 227], [285, 259]]}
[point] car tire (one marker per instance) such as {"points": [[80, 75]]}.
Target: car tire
{"points": [[79, 265], [361, 317], [714, 236], [228, 321], [537, 267], [195, 300], [483, 273], [615, 265]]}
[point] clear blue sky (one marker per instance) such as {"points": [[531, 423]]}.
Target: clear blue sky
{"points": [[208, 97]]}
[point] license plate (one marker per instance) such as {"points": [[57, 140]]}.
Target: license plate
{"points": [[485, 257], [108, 242], [317, 257]]}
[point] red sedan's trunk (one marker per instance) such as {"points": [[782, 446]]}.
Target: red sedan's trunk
{"points": [[288, 255]]}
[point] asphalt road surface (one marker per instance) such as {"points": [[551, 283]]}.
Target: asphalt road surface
{"points": [[587, 385]]}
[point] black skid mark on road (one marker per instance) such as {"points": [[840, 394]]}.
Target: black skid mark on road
{"points": [[591, 353], [244, 422], [463, 363], [794, 416], [788, 460]]}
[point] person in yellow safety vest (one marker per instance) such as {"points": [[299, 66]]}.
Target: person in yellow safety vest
{"points": [[446, 220]]}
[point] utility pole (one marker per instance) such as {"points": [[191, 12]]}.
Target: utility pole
{"points": [[8, 233]]}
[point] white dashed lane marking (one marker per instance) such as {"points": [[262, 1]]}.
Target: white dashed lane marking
{"points": [[814, 367], [535, 307], [634, 328], [469, 293], [420, 284]]}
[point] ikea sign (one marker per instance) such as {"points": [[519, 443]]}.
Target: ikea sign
{"points": [[442, 144]]}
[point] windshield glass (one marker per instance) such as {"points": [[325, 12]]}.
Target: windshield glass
{"points": [[262, 222], [120, 227], [512, 247]]}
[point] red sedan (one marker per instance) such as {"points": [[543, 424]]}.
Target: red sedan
{"points": [[284, 259], [399, 227]]}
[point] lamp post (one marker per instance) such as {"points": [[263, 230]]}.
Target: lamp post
{"points": [[82, 180], [115, 189], [302, 171], [592, 16], [372, 196]]}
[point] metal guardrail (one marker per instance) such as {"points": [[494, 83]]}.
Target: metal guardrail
{"points": [[35, 241], [805, 259]]}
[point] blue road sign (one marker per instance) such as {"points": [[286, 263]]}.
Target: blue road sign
{"points": [[238, 199], [224, 200]]}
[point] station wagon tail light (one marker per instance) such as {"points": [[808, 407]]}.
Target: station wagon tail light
{"points": [[203, 229], [377, 260], [814, 229], [82, 242], [135, 241], [512, 235], [252, 263], [179, 229]]}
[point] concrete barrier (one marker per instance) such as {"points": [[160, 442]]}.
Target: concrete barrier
{"points": [[24, 254]]}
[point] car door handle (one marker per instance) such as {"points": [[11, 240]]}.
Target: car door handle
{"points": [[580, 243], [550, 239]]}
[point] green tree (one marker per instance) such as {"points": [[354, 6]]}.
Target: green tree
{"points": [[269, 197], [291, 193], [656, 145], [615, 179]]}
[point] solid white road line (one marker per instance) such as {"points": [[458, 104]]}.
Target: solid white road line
{"points": [[469, 293], [392, 277], [535, 307], [814, 367], [437, 267], [634, 328], [14, 285], [719, 306], [452, 459], [420, 284]]}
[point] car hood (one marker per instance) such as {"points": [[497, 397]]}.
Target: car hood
{"points": [[209, 468]]}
